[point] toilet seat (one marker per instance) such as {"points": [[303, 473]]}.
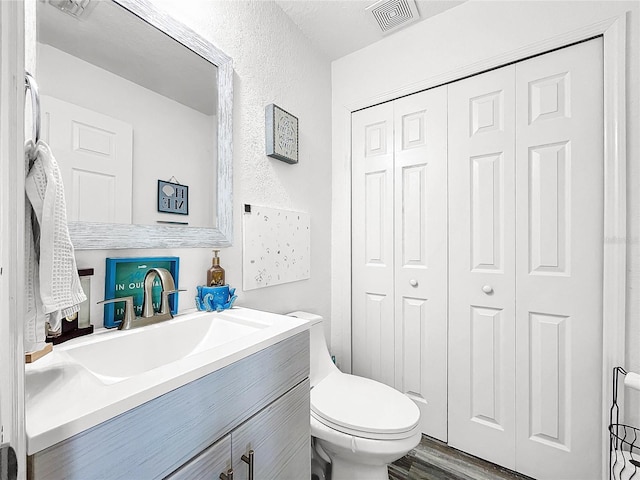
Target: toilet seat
{"points": [[363, 407]]}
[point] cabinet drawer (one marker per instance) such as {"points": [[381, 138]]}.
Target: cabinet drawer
{"points": [[157, 437]]}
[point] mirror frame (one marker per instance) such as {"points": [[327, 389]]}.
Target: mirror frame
{"points": [[106, 236]]}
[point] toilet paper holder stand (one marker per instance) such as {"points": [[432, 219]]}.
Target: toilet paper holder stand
{"points": [[624, 440]]}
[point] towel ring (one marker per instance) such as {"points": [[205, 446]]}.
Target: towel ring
{"points": [[31, 85]]}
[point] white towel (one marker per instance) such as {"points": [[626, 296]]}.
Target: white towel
{"points": [[53, 284]]}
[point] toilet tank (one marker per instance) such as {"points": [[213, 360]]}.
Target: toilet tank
{"points": [[320, 360]]}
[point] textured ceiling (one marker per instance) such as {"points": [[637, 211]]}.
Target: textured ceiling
{"points": [[339, 27]]}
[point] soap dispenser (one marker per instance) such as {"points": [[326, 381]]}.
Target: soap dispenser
{"points": [[215, 275]]}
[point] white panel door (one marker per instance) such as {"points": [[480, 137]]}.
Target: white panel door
{"points": [[559, 225], [372, 244], [482, 266], [420, 204], [95, 154]]}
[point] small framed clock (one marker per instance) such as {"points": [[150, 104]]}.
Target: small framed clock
{"points": [[173, 198], [281, 129]]}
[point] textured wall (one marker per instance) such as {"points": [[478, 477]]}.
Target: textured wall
{"points": [[273, 63]]}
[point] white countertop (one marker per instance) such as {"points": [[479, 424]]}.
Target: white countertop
{"points": [[65, 397]]}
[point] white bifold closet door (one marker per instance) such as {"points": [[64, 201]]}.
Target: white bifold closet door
{"points": [[526, 248], [482, 266], [399, 262], [373, 326]]}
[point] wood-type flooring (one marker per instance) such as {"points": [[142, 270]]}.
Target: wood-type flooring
{"points": [[434, 460]]}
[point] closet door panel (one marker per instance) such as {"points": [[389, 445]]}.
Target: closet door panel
{"points": [[373, 331], [482, 266], [420, 240], [559, 184]]}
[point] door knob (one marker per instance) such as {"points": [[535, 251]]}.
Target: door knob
{"points": [[413, 282], [487, 289]]}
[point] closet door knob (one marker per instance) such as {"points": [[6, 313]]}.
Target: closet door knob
{"points": [[249, 461], [487, 289], [413, 282]]}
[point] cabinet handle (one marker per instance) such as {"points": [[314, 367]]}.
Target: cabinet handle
{"points": [[227, 476], [413, 282], [249, 461]]}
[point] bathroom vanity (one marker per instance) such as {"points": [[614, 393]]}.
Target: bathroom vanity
{"points": [[251, 394]]}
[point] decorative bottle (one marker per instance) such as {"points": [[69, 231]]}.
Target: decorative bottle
{"points": [[215, 275]]}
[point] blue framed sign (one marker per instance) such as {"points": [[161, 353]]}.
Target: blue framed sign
{"points": [[173, 198], [125, 277]]}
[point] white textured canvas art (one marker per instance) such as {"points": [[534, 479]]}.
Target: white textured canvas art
{"points": [[276, 246]]}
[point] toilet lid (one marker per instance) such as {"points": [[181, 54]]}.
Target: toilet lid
{"points": [[363, 407]]}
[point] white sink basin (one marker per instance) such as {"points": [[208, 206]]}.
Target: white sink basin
{"points": [[126, 354], [91, 379]]}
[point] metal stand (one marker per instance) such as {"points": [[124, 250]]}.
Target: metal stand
{"points": [[624, 442]]}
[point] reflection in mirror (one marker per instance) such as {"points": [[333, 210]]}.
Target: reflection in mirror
{"points": [[127, 110]]}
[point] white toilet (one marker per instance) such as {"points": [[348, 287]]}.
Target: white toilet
{"points": [[361, 425]]}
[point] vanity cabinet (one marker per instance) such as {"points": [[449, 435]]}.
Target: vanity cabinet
{"points": [[203, 428], [278, 436]]}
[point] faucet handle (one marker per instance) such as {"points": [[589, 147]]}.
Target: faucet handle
{"points": [[169, 292], [164, 300], [129, 312]]}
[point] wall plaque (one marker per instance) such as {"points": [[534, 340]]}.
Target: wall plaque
{"points": [[281, 134], [173, 198]]}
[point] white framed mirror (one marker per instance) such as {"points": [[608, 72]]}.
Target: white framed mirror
{"points": [[124, 84]]}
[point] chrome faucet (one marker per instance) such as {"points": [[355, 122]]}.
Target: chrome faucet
{"points": [[168, 287], [149, 316]]}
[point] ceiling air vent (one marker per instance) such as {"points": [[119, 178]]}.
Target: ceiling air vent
{"points": [[391, 15]]}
